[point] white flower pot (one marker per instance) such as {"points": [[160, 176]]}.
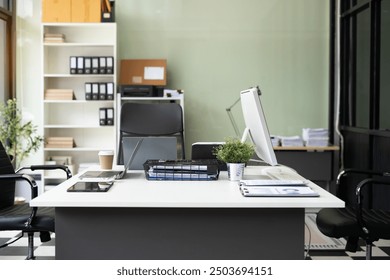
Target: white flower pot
{"points": [[235, 171]]}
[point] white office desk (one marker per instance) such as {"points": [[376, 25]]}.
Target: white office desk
{"points": [[140, 219]]}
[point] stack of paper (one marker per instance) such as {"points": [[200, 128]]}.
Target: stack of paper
{"points": [[291, 141], [315, 136], [275, 140], [60, 142], [54, 38], [59, 94]]}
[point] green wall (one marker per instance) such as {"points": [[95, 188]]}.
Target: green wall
{"points": [[215, 48]]}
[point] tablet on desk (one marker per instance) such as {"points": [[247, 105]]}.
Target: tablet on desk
{"points": [[91, 187]]}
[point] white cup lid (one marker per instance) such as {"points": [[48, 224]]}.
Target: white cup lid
{"points": [[106, 153]]}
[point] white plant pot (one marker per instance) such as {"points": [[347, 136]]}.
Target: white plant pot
{"points": [[235, 171]]}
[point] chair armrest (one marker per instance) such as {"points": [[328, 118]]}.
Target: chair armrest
{"points": [[26, 177], [34, 191], [367, 182], [48, 167], [345, 172]]}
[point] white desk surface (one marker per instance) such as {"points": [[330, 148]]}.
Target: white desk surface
{"points": [[139, 192]]}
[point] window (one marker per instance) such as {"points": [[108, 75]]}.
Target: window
{"points": [[384, 117], [365, 57], [6, 49]]}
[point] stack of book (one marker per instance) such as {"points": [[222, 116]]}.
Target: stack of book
{"points": [[59, 94], [315, 137], [54, 38], [60, 142]]}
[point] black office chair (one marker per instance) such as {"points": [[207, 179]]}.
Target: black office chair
{"points": [[357, 220], [22, 217], [151, 119]]}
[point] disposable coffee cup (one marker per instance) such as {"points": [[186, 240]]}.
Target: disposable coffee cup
{"points": [[106, 158]]}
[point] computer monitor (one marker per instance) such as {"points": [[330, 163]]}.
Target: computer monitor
{"points": [[256, 125]]}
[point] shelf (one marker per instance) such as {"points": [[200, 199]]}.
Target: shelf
{"points": [[77, 126], [80, 24], [78, 118], [70, 44], [72, 102], [307, 148], [151, 98], [63, 75], [79, 149]]}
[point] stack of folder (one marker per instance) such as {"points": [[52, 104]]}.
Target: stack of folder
{"points": [[60, 142], [54, 38], [59, 94], [182, 170]]}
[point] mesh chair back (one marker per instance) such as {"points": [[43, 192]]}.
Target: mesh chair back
{"points": [[150, 119], [7, 187]]}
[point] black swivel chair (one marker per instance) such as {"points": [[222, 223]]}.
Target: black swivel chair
{"points": [[357, 220], [151, 119], [22, 217]]}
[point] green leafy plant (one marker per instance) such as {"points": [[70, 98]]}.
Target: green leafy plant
{"points": [[234, 151], [19, 139]]}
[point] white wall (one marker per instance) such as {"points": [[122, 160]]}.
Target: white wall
{"points": [[214, 49]]}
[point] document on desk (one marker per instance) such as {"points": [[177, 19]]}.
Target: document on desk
{"points": [[277, 191]]}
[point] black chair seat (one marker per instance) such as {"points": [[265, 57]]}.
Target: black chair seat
{"points": [[342, 222], [15, 217]]}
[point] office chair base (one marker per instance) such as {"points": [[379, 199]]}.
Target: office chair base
{"points": [[368, 251], [30, 252]]}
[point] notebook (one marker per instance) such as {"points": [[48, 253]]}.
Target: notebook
{"points": [[110, 175], [278, 191]]}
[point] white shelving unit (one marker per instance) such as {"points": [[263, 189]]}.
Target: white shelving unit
{"points": [[77, 118]]}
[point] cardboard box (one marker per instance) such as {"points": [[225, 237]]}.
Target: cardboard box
{"points": [[86, 10], [151, 72], [71, 10], [56, 10]]}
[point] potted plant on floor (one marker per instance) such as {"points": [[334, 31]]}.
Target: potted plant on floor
{"points": [[19, 138], [235, 154]]}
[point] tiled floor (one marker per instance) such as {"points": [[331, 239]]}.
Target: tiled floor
{"points": [[18, 250], [46, 251], [380, 251]]}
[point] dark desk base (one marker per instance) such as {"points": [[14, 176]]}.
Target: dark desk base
{"points": [[179, 233]]}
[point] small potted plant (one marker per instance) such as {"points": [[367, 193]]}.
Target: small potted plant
{"points": [[19, 138], [235, 154]]}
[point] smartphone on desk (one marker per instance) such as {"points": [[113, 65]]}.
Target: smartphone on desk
{"points": [[91, 187]]}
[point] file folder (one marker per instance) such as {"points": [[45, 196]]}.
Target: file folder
{"points": [[80, 65], [110, 65], [88, 91], [110, 116], [95, 91], [110, 91], [102, 91], [102, 65], [102, 116], [73, 65], [95, 65], [87, 65]]}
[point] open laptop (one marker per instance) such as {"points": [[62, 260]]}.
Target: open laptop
{"points": [[110, 175]]}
